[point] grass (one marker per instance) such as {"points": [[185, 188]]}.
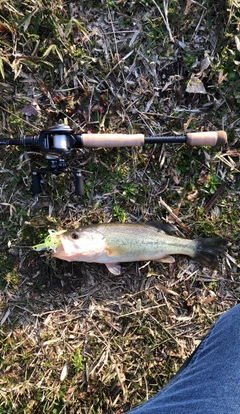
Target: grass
{"points": [[74, 338]]}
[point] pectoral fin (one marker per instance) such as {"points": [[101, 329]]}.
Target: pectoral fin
{"points": [[167, 259], [114, 268]]}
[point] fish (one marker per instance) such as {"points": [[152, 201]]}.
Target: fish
{"points": [[115, 243]]}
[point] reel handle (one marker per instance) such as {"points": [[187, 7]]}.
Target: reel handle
{"points": [[79, 185], [36, 180], [36, 185]]}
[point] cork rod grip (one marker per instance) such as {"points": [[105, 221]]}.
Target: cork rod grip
{"points": [[111, 140], [210, 138]]}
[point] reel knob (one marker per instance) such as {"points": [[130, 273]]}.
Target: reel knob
{"points": [[36, 185]]}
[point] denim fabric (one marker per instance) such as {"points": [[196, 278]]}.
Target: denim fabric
{"points": [[209, 381]]}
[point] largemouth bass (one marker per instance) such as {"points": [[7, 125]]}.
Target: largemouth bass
{"points": [[115, 243]]}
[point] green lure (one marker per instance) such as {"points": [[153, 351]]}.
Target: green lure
{"points": [[51, 242]]}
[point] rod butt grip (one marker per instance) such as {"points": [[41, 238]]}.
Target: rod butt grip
{"points": [[210, 138]]}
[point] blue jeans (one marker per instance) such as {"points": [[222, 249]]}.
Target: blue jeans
{"points": [[209, 381]]}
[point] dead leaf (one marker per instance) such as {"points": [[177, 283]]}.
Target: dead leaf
{"points": [[210, 298], [221, 77], [237, 41], [31, 109], [203, 178], [64, 373], [205, 63], [193, 195], [175, 178], [186, 124], [195, 85], [188, 6], [3, 29]]}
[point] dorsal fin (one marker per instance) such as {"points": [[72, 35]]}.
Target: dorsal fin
{"points": [[165, 227]]}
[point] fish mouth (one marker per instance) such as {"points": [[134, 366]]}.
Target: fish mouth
{"points": [[66, 249], [68, 246]]}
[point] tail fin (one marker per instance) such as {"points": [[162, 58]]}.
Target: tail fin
{"points": [[207, 251]]}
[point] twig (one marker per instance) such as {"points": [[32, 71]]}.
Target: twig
{"points": [[23, 120], [215, 196], [179, 222], [165, 18]]}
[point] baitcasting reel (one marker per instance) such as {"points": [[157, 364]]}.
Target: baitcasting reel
{"points": [[56, 142]]}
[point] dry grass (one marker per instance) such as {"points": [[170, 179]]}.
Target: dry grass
{"points": [[74, 338]]}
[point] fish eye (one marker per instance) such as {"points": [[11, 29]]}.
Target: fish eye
{"points": [[75, 236]]}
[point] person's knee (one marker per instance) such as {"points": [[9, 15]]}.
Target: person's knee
{"points": [[229, 323]]}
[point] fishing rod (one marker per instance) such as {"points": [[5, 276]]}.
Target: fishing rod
{"points": [[59, 141]]}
